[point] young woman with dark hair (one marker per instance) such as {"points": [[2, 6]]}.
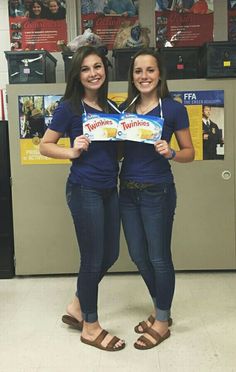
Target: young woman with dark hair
{"points": [[55, 10], [91, 189], [147, 195], [37, 10]]}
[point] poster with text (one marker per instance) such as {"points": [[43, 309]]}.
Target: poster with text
{"points": [[37, 24], [206, 116], [35, 114], [182, 23], [232, 20], [115, 22]]}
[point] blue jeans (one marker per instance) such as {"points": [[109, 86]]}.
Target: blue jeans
{"points": [[96, 218], [147, 217]]}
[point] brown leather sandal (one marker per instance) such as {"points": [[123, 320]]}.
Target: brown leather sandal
{"points": [[144, 325], [97, 342], [71, 321], [148, 344]]}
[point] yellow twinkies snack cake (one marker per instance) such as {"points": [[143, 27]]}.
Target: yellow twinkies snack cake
{"points": [[145, 133], [109, 132]]}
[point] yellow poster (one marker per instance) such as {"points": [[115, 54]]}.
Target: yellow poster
{"points": [[195, 119], [35, 114], [29, 151]]}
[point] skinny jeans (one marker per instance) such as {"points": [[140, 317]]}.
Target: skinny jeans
{"points": [[147, 218], [95, 214]]}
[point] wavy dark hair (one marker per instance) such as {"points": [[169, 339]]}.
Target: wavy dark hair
{"points": [[43, 10], [162, 88], [74, 92]]}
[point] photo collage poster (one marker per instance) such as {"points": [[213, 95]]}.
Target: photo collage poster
{"points": [[184, 23], [36, 25], [114, 22]]}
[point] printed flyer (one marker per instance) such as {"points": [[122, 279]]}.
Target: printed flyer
{"points": [[115, 22], [206, 115], [35, 114], [37, 25], [182, 23]]}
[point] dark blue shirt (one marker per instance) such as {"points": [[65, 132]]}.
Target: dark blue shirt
{"points": [[141, 162], [97, 167]]}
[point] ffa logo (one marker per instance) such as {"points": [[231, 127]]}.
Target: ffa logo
{"points": [[213, 131]]}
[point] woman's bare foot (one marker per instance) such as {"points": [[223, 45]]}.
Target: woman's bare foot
{"points": [[74, 309], [92, 330], [149, 323], [158, 326]]}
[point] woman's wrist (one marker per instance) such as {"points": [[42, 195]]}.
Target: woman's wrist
{"points": [[172, 154]]}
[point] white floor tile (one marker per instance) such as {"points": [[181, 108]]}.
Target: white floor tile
{"points": [[203, 336]]}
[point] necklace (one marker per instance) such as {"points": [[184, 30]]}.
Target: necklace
{"points": [[147, 108]]}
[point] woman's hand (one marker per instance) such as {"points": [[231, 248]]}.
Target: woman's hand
{"points": [[186, 152], [162, 147], [81, 143], [49, 147]]}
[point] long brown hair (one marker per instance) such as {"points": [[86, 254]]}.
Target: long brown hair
{"points": [[162, 88], [74, 92]]}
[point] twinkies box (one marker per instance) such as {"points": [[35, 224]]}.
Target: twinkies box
{"points": [[100, 127], [139, 128], [31, 67]]}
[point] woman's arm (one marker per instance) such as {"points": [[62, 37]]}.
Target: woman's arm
{"points": [[186, 151], [49, 147]]}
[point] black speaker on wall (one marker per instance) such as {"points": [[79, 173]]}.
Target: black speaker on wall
{"points": [[122, 61], [7, 269], [219, 59], [31, 67], [181, 63]]}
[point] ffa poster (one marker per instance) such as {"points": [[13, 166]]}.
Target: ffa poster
{"points": [[206, 116]]}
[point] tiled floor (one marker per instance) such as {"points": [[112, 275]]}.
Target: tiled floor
{"points": [[203, 339]]}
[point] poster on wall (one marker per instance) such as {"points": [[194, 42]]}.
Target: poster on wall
{"points": [[35, 114], [206, 116], [115, 22], [182, 23], [232, 20], [37, 24], [205, 110]]}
